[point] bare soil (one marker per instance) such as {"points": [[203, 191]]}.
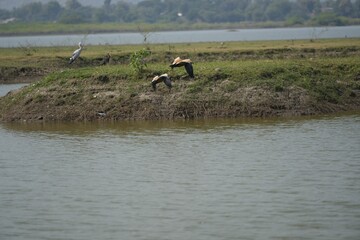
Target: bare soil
{"points": [[101, 102]]}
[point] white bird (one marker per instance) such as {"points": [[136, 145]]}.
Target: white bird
{"points": [[178, 62], [162, 78], [76, 53]]}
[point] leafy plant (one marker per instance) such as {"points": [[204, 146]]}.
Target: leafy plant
{"points": [[137, 60]]}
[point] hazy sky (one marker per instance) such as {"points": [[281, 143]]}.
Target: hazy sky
{"points": [[10, 4]]}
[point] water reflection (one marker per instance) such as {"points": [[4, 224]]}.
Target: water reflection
{"points": [[149, 127]]}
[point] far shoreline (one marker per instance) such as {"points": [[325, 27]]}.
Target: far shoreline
{"points": [[43, 29]]}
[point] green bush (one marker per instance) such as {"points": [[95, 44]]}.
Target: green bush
{"points": [[137, 60]]}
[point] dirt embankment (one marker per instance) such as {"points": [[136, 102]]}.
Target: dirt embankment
{"points": [[21, 74], [103, 101]]}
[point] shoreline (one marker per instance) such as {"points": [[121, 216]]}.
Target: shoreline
{"points": [[150, 106], [238, 80], [81, 29]]}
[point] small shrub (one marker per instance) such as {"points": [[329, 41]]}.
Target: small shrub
{"points": [[137, 60]]}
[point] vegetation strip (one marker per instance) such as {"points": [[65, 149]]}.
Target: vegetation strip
{"points": [[149, 15], [253, 79]]}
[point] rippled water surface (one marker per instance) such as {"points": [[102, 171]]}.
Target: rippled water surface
{"points": [[222, 179]]}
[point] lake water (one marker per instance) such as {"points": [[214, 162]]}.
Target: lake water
{"points": [[184, 36], [205, 180], [5, 88]]}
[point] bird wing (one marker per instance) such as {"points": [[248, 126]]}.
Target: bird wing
{"points": [[167, 82], [176, 61], [189, 69], [156, 80], [76, 53], [165, 75]]}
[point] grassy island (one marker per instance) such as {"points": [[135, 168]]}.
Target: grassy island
{"points": [[232, 79]]}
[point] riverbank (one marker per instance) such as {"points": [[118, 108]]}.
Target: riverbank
{"points": [[237, 79], [31, 29], [24, 29]]}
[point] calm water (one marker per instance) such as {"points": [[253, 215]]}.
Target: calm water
{"points": [[204, 180], [5, 88], [185, 36]]}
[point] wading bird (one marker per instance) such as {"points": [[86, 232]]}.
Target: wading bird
{"points": [[76, 53], [178, 62], [106, 59], [162, 78]]}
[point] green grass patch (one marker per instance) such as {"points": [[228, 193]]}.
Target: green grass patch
{"points": [[21, 28], [327, 69]]}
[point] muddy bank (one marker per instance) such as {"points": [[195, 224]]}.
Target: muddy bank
{"points": [[230, 81], [21, 74], [102, 101]]}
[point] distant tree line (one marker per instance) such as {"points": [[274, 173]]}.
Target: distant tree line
{"points": [[327, 12]]}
